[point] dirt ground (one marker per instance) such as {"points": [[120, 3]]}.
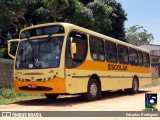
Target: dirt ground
{"points": [[111, 101]]}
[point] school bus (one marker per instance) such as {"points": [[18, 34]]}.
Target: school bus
{"points": [[62, 58]]}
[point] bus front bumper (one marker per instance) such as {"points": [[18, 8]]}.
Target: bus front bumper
{"points": [[56, 85]]}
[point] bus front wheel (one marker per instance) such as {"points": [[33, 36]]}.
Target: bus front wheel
{"points": [[51, 96], [93, 90]]}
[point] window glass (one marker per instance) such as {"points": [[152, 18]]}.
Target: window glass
{"points": [[39, 53], [140, 58], [46, 30], [81, 49], [146, 60], [133, 58], [122, 54], [97, 48], [111, 52]]}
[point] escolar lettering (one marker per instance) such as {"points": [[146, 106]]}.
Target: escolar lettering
{"points": [[117, 67]]}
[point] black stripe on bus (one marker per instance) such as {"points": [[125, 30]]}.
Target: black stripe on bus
{"points": [[80, 76], [109, 77]]}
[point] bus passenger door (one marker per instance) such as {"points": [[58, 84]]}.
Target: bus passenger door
{"points": [[76, 52]]}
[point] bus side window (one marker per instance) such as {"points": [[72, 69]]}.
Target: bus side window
{"points": [[146, 59], [97, 48], [140, 58], [111, 52], [81, 49], [123, 54], [133, 58]]}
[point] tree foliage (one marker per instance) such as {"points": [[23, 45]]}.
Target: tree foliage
{"points": [[103, 16], [137, 35]]}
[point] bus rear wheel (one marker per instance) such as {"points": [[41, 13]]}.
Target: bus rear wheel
{"points": [[93, 90], [51, 96], [135, 86]]}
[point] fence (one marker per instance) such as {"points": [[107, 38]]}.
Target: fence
{"points": [[6, 72]]}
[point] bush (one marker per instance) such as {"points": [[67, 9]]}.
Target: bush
{"points": [[10, 93], [2, 52], [7, 93]]}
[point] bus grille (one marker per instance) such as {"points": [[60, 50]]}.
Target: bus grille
{"points": [[41, 88]]}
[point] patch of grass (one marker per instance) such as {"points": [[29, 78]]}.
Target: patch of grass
{"points": [[155, 82], [8, 95]]}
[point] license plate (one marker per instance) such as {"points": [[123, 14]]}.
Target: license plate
{"points": [[32, 86]]}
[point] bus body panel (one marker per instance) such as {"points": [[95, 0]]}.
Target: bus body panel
{"points": [[110, 79], [75, 80], [58, 85]]}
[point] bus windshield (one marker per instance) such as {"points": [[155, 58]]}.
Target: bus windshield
{"points": [[39, 53]]}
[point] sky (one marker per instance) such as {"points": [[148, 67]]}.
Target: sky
{"points": [[145, 13]]}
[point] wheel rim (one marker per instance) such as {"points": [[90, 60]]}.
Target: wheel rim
{"points": [[93, 90]]}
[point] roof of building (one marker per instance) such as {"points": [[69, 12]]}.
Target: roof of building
{"points": [[149, 45]]}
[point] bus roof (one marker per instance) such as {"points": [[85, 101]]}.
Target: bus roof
{"points": [[72, 26]]}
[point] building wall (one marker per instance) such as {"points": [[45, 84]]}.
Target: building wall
{"points": [[155, 52], [6, 72], [155, 74], [155, 59]]}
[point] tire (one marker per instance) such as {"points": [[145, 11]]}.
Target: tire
{"points": [[93, 90], [51, 96], [135, 86]]}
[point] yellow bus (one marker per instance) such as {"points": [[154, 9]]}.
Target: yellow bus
{"points": [[62, 58]]}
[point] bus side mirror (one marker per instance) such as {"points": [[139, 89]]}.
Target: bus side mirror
{"points": [[73, 48], [9, 47]]}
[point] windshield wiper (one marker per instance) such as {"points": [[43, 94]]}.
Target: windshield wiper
{"points": [[49, 36], [26, 35]]}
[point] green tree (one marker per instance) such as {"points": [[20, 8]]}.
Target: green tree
{"points": [[85, 2], [71, 11], [108, 17], [137, 35], [118, 18], [103, 16], [15, 15]]}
